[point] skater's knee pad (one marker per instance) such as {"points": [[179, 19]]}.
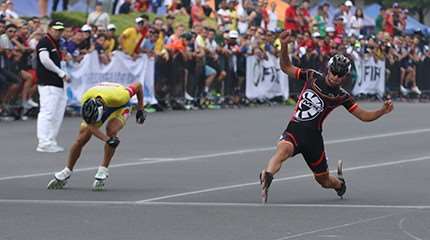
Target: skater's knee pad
{"points": [[113, 142]]}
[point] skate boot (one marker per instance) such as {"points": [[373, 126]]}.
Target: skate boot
{"points": [[265, 181], [100, 179], [341, 191], [60, 179]]}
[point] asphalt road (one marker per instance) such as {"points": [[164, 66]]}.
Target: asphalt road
{"points": [[193, 175]]}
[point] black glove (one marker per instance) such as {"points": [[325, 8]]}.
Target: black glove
{"points": [[140, 116], [113, 142]]}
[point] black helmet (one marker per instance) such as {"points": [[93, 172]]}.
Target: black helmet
{"points": [[92, 110], [339, 65]]}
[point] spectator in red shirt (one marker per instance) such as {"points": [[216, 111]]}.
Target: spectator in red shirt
{"points": [[141, 5], [339, 27], [197, 13], [264, 13], [305, 17], [323, 45], [388, 22], [308, 41], [291, 19]]}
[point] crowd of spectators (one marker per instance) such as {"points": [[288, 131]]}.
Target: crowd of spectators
{"points": [[199, 65]]}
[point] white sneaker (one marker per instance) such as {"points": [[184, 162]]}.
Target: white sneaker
{"points": [[63, 174], [416, 90], [60, 179], [49, 148], [404, 91], [100, 178], [32, 103], [29, 104]]}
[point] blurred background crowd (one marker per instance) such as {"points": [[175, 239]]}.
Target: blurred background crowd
{"points": [[201, 63]]}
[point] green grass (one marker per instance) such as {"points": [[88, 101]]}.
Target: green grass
{"points": [[121, 21]]}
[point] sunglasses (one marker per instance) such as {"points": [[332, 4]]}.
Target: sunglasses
{"points": [[338, 74], [11, 31]]}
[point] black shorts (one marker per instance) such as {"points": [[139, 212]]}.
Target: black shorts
{"points": [[406, 63], [309, 142]]}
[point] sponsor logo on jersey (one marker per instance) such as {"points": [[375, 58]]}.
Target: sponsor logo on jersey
{"points": [[309, 106]]}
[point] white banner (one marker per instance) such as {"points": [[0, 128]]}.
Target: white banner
{"points": [[264, 78], [122, 69], [370, 77]]}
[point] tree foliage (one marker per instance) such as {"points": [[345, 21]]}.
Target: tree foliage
{"points": [[419, 7]]}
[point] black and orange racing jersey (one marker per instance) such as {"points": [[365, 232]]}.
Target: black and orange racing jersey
{"points": [[318, 99]]}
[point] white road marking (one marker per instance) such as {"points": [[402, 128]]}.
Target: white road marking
{"points": [[406, 232], [66, 202], [144, 161], [336, 227], [282, 179], [211, 204], [286, 205]]}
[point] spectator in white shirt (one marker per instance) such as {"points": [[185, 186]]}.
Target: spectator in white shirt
{"points": [[98, 17], [242, 15], [273, 19], [10, 13], [7, 13], [357, 22]]}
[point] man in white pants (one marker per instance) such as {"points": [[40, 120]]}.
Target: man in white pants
{"points": [[51, 89]]}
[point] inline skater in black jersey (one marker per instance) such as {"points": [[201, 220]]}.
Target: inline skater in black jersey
{"points": [[320, 95]]}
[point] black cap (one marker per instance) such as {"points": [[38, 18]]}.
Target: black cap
{"points": [[57, 25]]}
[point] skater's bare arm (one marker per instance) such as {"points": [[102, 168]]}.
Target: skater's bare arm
{"points": [[137, 89], [368, 116], [285, 61]]}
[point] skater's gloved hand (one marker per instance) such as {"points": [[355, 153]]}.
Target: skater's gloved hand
{"points": [[113, 142], [140, 116]]}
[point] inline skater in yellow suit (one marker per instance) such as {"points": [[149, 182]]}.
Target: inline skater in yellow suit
{"points": [[105, 102]]}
